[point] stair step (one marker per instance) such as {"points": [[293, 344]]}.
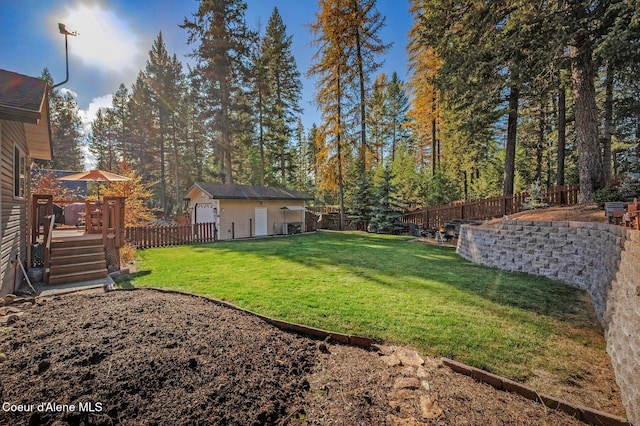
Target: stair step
{"points": [[76, 251], [76, 276], [78, 267], [77, 258], [76, 243]]}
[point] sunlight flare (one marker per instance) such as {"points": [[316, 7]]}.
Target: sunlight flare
{"points": [[104, 40]]}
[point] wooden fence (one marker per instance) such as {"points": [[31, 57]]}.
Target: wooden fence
{"points": [[436, 217], [170, 235]]}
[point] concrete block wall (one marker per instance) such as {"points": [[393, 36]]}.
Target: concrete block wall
{"points": [[602, 259]]}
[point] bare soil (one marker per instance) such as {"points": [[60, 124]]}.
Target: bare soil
{"points": [[577, 213], [145, 357]]}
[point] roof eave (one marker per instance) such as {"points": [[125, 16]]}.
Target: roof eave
{"points": [[18, 114]]}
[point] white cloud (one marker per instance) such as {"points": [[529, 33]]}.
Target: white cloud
{"points": [[64, 91], [89, 159], [87, 115]]}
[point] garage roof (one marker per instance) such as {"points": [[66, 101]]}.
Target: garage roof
{"points": [[247, 192]]}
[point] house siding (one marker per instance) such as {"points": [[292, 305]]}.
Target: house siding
{"points": [[13, 215], [235, 215], [237, 218]]}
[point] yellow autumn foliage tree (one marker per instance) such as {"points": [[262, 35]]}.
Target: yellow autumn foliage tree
{"points": [[135, 193]]}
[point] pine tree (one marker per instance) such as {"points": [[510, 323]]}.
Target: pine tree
{"points": [[120, 108], [332, 95], [379, 117], [364, 25], [222, 56], [362, 202], [385, 218], [66, 132], [283, 94], [398, 106], [102, 142]]}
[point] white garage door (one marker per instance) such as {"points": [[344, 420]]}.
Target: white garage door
{"points": [[205, 213]]}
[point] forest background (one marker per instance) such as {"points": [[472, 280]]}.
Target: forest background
{"points": [[500, 95]]}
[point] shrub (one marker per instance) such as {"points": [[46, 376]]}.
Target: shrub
{"points": [[535, 200], [606, 194]]}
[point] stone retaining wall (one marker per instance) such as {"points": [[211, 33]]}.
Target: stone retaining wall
{"points": [[602, 259]]}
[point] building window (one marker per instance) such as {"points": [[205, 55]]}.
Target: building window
{"points": [[19, 173]]}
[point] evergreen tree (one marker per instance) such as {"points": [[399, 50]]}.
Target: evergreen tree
{"points": [[283, 94], [385, 217], [363, 39], [331, 66], [222, 57], [398, 106], [120, 109], [66, 132], [379, 117], [362, 202]]}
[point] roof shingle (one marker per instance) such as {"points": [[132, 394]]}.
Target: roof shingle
{"points": [[21, 96], [249, 192]]}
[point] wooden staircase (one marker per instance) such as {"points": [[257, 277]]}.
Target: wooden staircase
{"points": [[76, 260]]}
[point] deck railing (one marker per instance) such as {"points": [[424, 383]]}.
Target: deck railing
{"points": [[436, 217], [170, 235]]}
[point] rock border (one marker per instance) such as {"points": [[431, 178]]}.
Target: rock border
{"points": [[582, 413]]}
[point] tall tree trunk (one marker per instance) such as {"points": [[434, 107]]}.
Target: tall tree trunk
{"points": [[163, 184], [363, 119], [562, 133], [512, 131], [226, 135], [608, 124], [434, 139], [261, 135], [540, 147], [586, 113], [176, 175]]}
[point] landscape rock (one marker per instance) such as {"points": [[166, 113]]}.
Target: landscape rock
{"points": [[9, 298], [3, 357], [402, 401], [409, 357], [422, 373], [429, 407], [399, 421], [407, 383], [11, 318], [391, 361], [6, 310]]}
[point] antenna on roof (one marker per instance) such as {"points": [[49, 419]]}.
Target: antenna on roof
{"points": [[63, 30]]}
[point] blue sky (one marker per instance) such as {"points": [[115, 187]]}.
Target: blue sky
{"points": [[115, 37]]}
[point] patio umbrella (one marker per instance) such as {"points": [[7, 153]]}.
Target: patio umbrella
{"points": [[95, 175]]}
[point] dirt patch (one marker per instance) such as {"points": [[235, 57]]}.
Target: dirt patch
{"points": [[147, 357], [577, 213]]}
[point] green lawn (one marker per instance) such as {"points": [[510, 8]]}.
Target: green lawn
{"points": [[395, 291]]}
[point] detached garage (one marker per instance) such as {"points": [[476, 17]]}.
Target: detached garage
{"points": [[245, 211]]}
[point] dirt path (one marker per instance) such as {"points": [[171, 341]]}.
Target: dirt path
{"points": [[144, 357]]}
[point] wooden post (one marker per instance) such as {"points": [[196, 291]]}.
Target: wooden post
{"points": [[233, 230], [38, 204]]}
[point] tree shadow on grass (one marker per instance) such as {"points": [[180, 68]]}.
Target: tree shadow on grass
{"points": [[395, 263], [125, 281]]}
